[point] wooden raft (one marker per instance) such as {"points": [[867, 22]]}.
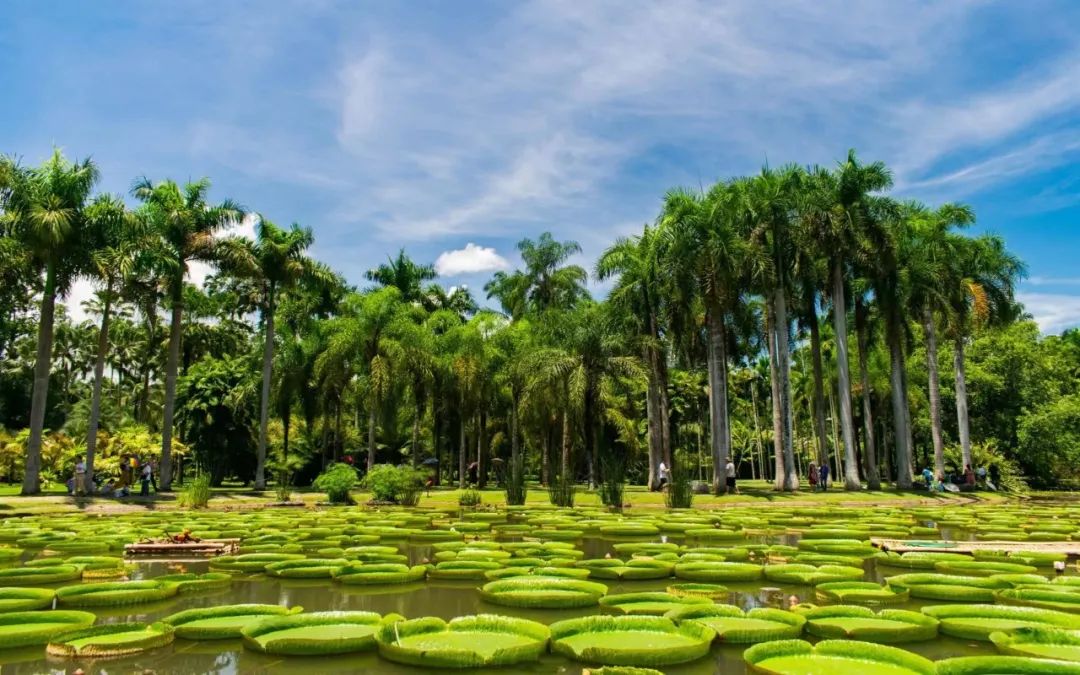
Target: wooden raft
{"points": [[207, 548], [1070, 548]]}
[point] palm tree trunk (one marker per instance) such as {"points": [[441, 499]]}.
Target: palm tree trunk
{"points": [[774, 384], [899, 402], [264, 401], [566, 443], [873, 476], [545, 460], [962, 420], [176, 329], [835, 436], [481, 449], [39, 398], [373, 417], [843, 379], [665, 410], [819, 383], [719, 428], [339, 440], [417, 416], [652, 413], [95, 398], [783, 357], [463, 448], [757, 428], [515, 448], [935, 392]]}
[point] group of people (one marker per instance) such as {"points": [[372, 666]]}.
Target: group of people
{"points": [[818, 476], [131, 469], [969, 480], [663, 477]]}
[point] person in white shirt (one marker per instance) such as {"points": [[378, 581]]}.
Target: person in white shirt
{"points": [[80, 476], [664, 475], [147, 472], [729, 471]]}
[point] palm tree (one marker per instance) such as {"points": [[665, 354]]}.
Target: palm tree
{"points": [[639, 264], [403, 274], [44, 208], [120, 236], [184, 224], [276, 262], [363, 342], [547, 281]]}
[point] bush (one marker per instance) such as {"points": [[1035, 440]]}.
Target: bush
{"points": [[283, 488], [614, 483], [680, 492], [337, 481], [470, 498], [561, 491], [196, 494], [515, 482], [398, 484]]}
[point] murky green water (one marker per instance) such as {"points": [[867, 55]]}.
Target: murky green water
{"points": [[446, 600]]}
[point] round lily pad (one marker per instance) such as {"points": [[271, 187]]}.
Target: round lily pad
{"points": [[464, 570], [115, 593], [194, 583], [220, 623], [977, 622], [319, 633], [861, 623], [371, 574], [1007, 665], [834, 657], [250, 563], [110, 640], [796, 573], [1047, 643], [543, 592], [630, 640], [650, 603], [25, 599], [716, 572], [930, 586], [37, 576], [633, 569], [308, 568], [1045, 596], [733, 625], [710, 591], [464, 642], [859, 592], [23, 629]]}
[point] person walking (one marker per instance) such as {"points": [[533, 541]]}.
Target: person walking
{"points": [[80, 476], [812, 474], [729, 470], [153, 473], [664, 475], [147, 474], [824, 476]]}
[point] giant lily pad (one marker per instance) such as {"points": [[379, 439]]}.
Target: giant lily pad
{"points": [[194, 583], [650, 603], [796, 573], [701, 590], [543, 592], [630, 640], [930, 586], [308, 568], [834, 657], [1046, 596], [319, 633], [111, 640], [1005, 665], [718, 572], [861, 623], [23, 629], [250, 563], [977, 622], [733, 625], [115, 593], [25, 599], [371, 574], [464, 642], [636, 568], [219, 623], [860, 592], [1047, 643], [37, 576]]}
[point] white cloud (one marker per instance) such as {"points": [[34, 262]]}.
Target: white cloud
{"points": [[1052, 311], [469, 260], [1053, 281]]}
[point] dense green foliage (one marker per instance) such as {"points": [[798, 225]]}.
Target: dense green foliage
{"points": [[875, 335], [339, 479]]}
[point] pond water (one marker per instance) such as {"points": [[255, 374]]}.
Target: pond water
{"points": [[432, 598]]}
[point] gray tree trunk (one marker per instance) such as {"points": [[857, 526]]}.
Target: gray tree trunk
{"points": [[899, 405], [774, 384], [373, 421], [652, 412], [843, 379], [39, 398], [264, 401], [719, 429], [417, 417], [564, 464], [962, 419], [176, 331], [783, 357], [463, 447], [757, 428], [818, 407], [95, 398], [935, 391], [873, 475]]}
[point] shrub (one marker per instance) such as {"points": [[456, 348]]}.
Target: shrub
{"points": [[562, 490], [337, 481], [470, 497], [515, 482], [283, 488], [614, 484], [196, 494], [680, 492], [398, 484]]}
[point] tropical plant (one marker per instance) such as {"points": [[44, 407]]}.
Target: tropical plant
{"points": [[338, 480]]}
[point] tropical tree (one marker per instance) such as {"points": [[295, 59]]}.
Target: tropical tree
{"points": [[275, 262], [547, 282], [44, 208], [403, 274], [183, 223]]}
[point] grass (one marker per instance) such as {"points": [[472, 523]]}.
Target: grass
{"points": [[236, 496]]}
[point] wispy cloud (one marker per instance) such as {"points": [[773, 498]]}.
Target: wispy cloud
{"points": [[1053, 312]]}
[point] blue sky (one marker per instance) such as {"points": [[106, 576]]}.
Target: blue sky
{"points": [[456, 128]]}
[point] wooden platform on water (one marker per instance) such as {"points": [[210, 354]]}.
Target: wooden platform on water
{"points": [[1070, 548], [207, 548]]}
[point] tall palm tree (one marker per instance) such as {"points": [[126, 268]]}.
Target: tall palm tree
{"points": [[639, 263], [45, 209], [547, 282], [403, 274], [844, 222], [120, 236], [712, 254], [184, 224], [275, 262]]}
